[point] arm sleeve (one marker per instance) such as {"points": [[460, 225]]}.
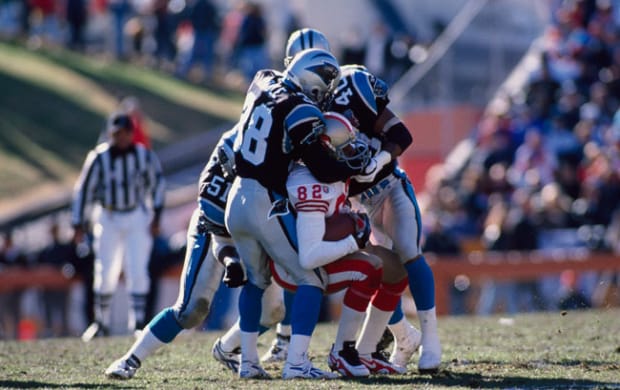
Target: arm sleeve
{"points": [[313, 251], [396, 132]]}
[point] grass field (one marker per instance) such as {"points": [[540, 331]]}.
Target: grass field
{"points": [[556, 350]]}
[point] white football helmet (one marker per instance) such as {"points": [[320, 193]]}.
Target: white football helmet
{"points": [[302, 39], [341, 138], [315, 73]]}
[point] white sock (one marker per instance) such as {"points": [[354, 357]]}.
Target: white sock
{"points": [[348, 326], [399, 330], [428, 326], [232, 338], [298, 348], [249, 348], [145, 345], [373, 329], [284, 330]]}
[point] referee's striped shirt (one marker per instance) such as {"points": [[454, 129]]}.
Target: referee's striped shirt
{"points": [[119, 180]]}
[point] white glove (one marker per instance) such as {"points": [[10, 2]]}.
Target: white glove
{"points": [[374, 166]]}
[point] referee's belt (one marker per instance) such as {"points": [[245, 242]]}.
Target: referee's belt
{"points": [[119, 210]]}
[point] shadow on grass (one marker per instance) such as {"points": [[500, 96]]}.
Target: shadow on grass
{"points": [[447, 378], [29, 384]]}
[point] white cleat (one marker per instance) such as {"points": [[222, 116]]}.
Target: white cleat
{"points": [[229, 359], [305, 370], [347, 361], [405, 348], [278, 350], [376, 363], [430, 357], [122, 369], [252, 370]]}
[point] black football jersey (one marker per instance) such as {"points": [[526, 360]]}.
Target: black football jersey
{"points": [[362, 97], [278, 126]]}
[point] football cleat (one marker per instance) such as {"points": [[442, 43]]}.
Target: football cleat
{"points": [[376, 363], [123, 368], [347, 361], [430, 358], [94, 330], [228, 359], [252, 370], [305, 370], [278, 350], [405, 348]]}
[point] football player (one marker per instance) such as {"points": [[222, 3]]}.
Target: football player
{"points": [[386, 193], [347, 267], [281, 122]]}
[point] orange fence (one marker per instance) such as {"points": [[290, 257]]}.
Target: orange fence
{"points": [[476, 266]]}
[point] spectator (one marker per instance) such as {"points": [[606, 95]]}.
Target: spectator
{"points": [[205, 24], [61, 256], [353, 50], [131, 106], [165, 49], [10, 303], [77, 17], [252, 41], [120, 10]]}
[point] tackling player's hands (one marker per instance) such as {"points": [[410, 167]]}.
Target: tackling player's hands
{"points": [[234, 274], [362, 229], [375, 164]]}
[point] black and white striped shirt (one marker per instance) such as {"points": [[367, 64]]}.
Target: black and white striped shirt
{"points": [[119, 181]]}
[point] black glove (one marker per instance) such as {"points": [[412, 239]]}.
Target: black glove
{"points": [[234, 275], [362, 229]]}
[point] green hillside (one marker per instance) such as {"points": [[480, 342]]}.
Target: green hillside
{"points": [[53, 104]]}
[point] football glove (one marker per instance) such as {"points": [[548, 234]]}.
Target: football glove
{"points": [[234, 274], [375, 164]]}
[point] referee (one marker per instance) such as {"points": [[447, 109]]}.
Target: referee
{"points": [[123, 181]]}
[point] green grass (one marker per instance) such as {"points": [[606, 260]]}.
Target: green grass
{"points": [[54, 103], [554, 350]]}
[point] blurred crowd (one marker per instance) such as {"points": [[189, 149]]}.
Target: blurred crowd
{"points": [[199, 40], [36, 312], [542, 169]]}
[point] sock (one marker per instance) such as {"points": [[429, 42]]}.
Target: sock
{"points": [[372, 330], [249, 320], [284, 330], [428, 326], [298, 348], [164, 326], [398, 313], [399, 330], [250, 307], [289, 296], [348, 326], [421, 283], [249, 349], [145, 346], [103, 311], [137, 309], [306, 308], [232, 338]]}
